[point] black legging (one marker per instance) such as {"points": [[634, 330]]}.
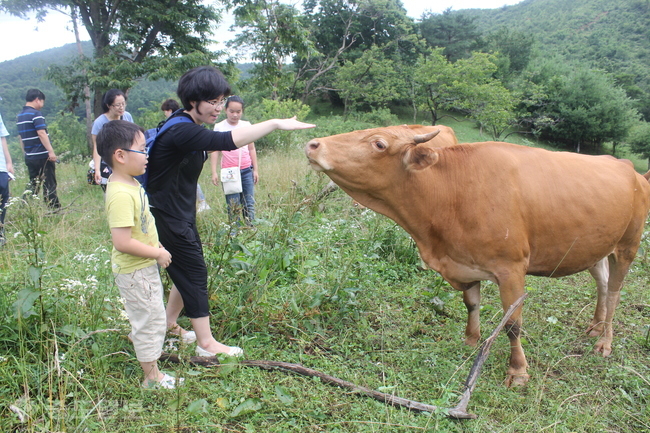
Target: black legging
{"points": [[187, 269]]}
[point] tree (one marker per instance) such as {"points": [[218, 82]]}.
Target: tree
{"points": [[343, 30], [482, 96], [513, 46], [468, 86], [131, 39], [272, 32], [456, 32], [432, 77], [371, 80], [639, 140], [589, 108]]}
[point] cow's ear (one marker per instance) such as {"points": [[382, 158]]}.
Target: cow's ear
{"points": [[420, 157]]}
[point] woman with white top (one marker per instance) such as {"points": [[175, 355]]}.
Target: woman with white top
{"points": [[114, 106]]}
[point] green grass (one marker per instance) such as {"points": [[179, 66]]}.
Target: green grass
{"points": [[324, 284]]}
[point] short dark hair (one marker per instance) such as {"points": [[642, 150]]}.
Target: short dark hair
{"points": [[235, 98], [109, 98], [170, 104], [116, 134], [33, 94], [203, 83]]}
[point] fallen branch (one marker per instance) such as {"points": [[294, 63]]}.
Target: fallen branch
{"points": [[203, 361], [331, 380], [459, 412]]}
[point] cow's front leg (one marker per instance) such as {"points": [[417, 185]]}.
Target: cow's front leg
{"points": [[511, 289], [600, 272], [472, 300]]}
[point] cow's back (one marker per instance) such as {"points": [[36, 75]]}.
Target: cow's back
{"points": [[562, 210]]}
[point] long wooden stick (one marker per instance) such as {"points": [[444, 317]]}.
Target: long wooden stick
{"points": [[459, 412]]}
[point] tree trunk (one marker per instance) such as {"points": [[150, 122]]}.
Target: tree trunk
{"points": [[89, 113]]}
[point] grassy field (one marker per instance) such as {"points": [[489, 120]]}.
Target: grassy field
{"points": [[321, 283]]}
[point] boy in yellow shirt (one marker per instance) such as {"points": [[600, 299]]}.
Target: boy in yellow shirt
{"points": [[136, 250]]}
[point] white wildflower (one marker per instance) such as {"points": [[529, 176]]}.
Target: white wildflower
{"points": [[170, 346]]}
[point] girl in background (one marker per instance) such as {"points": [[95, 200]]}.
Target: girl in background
{"points": [[245, 158]]}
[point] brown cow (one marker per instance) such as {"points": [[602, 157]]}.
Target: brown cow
{"points": [[498, 211]]}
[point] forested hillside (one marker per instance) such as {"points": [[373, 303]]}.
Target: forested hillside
{"points": [[26, 72], [613, 35], [575, 74]]}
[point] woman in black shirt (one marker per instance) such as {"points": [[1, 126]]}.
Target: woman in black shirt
{"points": [[174, 167]]}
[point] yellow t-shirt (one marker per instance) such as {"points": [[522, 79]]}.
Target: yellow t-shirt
{"points": [[128, 206]]}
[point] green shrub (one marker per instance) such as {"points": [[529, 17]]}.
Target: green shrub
{"points": [[378, 117], [68, 136], [271, 109]]}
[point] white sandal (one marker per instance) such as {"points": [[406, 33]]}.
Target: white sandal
{"points": [[233, 351]]}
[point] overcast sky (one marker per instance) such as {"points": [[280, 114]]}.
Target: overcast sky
{"points": [[20, 37]]}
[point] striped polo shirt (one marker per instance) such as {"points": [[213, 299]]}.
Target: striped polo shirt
{"points": [[29, 121]]}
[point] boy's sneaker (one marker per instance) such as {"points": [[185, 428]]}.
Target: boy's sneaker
{"points": [[167, 382]]}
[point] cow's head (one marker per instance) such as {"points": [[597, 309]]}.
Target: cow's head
{"points": [[372, 158]]}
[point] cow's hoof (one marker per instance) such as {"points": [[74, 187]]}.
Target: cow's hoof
{"points": [[472, 340], [604, 347], [514, 380]]}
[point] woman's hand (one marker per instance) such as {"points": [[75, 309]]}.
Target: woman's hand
{"points": [[292, 124]]}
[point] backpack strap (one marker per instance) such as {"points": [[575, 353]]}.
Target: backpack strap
{"points": [[171, 122]]}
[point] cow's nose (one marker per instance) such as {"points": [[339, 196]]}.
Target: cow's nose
{"points": [[313, 145]]}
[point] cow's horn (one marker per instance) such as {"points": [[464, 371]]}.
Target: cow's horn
{"points": [[423, 138]]}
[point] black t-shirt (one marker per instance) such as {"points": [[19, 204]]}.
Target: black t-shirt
{"points": [[175, 164]]}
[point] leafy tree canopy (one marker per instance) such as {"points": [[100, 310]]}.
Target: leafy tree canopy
{"points": [[457, 33], [129, 39]]}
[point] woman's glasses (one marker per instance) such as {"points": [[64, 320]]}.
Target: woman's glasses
{"points": [[216, 103]]}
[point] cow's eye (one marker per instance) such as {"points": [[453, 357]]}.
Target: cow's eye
{"points": [[379, 145]]}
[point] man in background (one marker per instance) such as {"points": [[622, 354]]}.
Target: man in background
{"points": [[35, 142]]}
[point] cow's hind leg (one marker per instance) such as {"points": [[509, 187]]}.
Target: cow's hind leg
{"points": [[618, 267], [472, 300], [600, 272], [511, 289]]}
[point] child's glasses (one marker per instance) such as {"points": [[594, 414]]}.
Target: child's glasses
{"points": [[135, 151]]}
